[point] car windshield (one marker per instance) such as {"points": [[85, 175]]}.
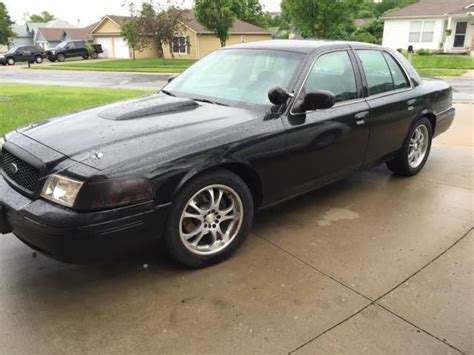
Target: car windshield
{"points": [[12, 50], [62, 44], [238, 76]]}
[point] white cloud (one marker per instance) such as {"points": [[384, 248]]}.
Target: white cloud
{"points": [[85, 12]]}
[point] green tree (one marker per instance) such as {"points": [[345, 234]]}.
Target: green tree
{"points": [[251, 11], [158, 25], [45, 16], [130, 31], [217, 16], [5, 25], [326, 19]]}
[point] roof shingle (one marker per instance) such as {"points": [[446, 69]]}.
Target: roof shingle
{"points": [[433, 8]]}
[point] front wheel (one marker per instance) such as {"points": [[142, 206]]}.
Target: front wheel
{"points": [[61, 57], [415, 151], [210, 218], [11, 61]]}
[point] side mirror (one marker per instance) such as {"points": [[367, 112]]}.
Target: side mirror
{"points": [[317, 100], [171, 78], [278, 95]]}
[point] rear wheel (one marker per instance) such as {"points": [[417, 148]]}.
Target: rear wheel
{"points": [[39, 59], [415, 151], [210, 217], [11, 61], [61, 57]]}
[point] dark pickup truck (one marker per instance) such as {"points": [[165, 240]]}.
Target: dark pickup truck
{"points": [[70, 49]]}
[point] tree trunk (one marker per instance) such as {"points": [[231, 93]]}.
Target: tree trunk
{"points": [[223, 42]]}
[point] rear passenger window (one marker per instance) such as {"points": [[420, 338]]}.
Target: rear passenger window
{"points": [[333, 72], [377, 72], [399, 78]]}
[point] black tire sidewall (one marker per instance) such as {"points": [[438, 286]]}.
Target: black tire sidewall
{"points": [[38, 59], [172, 240], [405, 165]]}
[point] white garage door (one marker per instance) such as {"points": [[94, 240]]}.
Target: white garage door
{"points": [[121, 48], [113, 47], [107, 46]]}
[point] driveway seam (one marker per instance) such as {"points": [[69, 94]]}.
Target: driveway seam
{"points": [[372, 302]]}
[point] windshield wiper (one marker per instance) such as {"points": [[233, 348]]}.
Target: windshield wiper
{"points": [[169, 93], [210, 102]]}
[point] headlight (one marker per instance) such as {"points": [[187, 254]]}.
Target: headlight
{"points": [[101, 195], [2, 56], [61, 190]]}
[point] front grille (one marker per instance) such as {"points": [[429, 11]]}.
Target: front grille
{"points": [[20, 172]]}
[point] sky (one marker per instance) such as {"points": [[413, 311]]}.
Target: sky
{"points": [[85, 12]]}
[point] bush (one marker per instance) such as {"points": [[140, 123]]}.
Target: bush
{"points": [[424, 52], [363, 37]]}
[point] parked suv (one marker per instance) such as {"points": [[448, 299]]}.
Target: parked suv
{"points": [[70, 49], [32, 54]]}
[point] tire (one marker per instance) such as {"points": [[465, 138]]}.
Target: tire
{"points": [[11, 61], [85, 57], [38, 59], [415, 151], [94, 56], [52, 60], [61, 57], [200, 242]]}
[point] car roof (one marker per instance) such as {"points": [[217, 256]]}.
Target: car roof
{"points": [[301, 46]]}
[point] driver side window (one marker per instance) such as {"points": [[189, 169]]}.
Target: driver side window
{"points": [[333, 72]]}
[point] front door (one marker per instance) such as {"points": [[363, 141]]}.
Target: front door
{"points": [[324, 145], [460, 35]]}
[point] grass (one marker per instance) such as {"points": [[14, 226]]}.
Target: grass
{"points": [[443, 65], [22, 104], [145, 65]]}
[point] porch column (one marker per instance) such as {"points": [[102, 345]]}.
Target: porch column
{"points": [[448, 38]]}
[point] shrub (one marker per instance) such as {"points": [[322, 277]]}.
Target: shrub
{"points": [[363, 37]]}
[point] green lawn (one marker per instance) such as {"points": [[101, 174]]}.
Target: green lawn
{"points": [[22, 104], [145, 65], [443, 65]]}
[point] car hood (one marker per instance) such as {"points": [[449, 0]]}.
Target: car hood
{"points": [[114, 134]]}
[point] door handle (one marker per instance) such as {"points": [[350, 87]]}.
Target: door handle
{"points": [[361, 117]]}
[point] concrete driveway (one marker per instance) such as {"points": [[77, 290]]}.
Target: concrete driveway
{"points": [[372, 264]]}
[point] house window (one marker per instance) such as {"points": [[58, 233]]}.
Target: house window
{"points": [[460, 35], [180, 45], [421, 31]]}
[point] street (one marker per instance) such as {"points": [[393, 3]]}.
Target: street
{"points": [[463, 86], [372, 264]]}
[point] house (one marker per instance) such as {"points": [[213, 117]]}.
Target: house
{"points": [[193, 43], [24, 34], [51, 37], [46, 35], [441, 25]]}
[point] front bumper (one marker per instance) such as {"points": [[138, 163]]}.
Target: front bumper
{"points": [[75, 237]]}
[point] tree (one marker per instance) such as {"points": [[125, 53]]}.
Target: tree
{"points": [[45, 16], [157, 25], [217, 16], [130, 31], [5, 25], [251, 11], [327, 19]]}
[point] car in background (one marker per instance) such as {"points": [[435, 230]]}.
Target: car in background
{"points": [[71, 49], [31, 54]]}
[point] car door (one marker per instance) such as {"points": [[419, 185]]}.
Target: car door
{"points": [[69, 50], [390, 98], [20, 54], [324, 145]]}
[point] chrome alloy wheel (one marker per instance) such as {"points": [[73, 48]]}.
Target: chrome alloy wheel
{"points": [[211, 220], [418, 146]]}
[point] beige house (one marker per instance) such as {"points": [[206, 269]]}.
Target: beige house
{"points": [[194, 43]]}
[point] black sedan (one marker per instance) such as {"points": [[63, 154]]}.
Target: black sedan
{"points": [[31, 54], [245, 128]]}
